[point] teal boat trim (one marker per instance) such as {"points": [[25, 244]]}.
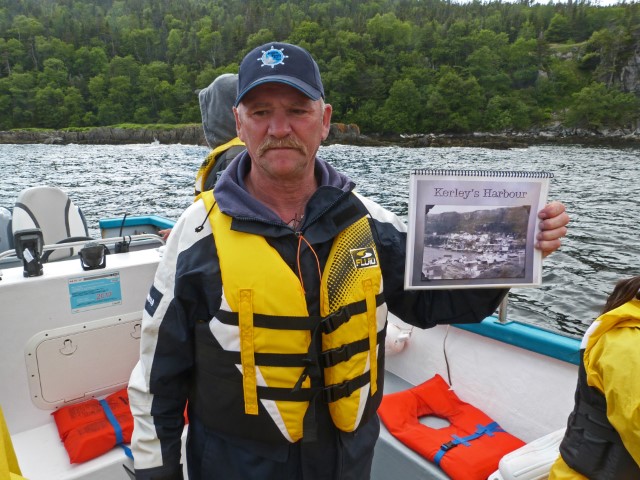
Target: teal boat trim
{"points": [[528, 337], [133, 221]]}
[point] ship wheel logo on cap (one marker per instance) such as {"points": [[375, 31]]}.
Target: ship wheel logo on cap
{"points": [[272, 57]]}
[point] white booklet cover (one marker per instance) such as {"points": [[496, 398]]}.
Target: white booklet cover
{"points": [[474, 228]]}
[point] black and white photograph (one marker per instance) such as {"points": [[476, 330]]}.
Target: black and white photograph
{"points": [[478, 243]]}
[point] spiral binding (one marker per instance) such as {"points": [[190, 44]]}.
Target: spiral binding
{"points": [[483, 173]]}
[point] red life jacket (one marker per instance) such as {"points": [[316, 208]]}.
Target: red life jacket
{"points": [[468, 449], [94, 427]]}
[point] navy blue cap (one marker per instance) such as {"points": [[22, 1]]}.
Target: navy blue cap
{"points": [[281, 63]]}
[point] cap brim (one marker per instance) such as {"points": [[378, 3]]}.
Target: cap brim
{"points": [[308, 90]]}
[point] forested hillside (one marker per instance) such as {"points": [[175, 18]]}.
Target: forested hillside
{"points": [[389, 66]]}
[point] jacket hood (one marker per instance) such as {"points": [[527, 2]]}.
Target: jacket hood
{"points": [[216, 107]]}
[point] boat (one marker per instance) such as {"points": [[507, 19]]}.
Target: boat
{"points": [[71, 329]]}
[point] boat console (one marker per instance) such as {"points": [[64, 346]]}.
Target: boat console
{"points": [[69, 335]]}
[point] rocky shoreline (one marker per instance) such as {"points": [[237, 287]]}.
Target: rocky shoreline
{"points": [[339, 134]]}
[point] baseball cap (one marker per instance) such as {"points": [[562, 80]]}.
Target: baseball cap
{"points": [[281, 63]]}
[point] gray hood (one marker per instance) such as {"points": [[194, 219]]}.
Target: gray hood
{"points": [[216, 106]]}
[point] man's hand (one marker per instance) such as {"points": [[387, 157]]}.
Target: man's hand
{"points": [[164, 233], [553, 226]]}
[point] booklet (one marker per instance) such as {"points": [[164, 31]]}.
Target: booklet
{"points": [[474, 228]]}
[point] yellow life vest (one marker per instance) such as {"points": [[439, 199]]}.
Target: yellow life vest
{"points": [[273, 319], [210, 161]]}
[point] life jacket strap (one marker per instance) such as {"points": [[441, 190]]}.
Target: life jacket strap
{"points": [[596, 423], [333, 321], [345, 352], [333, 393], [372, 323], [116, 427], [276, 322], [488, 430], [281, 322], [247, 354], [262, 359]]}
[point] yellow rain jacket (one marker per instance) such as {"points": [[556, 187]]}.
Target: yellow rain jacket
{"points": [[611, 362], [9, 468]]}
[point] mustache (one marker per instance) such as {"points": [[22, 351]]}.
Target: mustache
{"points": [[287, 142]]}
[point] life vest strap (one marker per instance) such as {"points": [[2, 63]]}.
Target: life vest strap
{"points": [[488, 430], [261, 359], [589, 418], [275, 322], [284, 394], [345, 352], [280, 322], [247, 354], [370, 299], [334, 320], [333, 393], [116, 427]]}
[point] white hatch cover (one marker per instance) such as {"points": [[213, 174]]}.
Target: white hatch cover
{"points": [[76, 363]]}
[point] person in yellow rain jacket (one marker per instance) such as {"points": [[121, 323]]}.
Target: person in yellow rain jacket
{"points": [[219, 124], [602, 440], [9, 468]]}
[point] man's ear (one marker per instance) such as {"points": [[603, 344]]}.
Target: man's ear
{"points": [[236, 115], [326, 120]]}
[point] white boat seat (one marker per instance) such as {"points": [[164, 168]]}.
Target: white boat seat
{"points": [[532, 461], [6, 236], [51, 210]]}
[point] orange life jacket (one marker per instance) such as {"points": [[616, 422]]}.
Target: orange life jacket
{"points": [[94, 427], [468, 449], [89, 429]]}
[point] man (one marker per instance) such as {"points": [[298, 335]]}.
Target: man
{"points": [[270, 303], [602, 440]]}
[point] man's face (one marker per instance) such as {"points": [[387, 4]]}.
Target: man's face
{"points": [[282, 129]]}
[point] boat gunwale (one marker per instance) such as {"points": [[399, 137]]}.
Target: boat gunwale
{"points": [[529, 337]]}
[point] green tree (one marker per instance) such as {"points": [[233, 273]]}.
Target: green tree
{"points": [[559, 29], [54, 74], [47, 103], [12, 52], [403, 108], [455, 104], [504, 113], [596, 107]]}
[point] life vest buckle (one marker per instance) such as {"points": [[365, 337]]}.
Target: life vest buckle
{"points": [[335, 392], [336, 355], [331, 322], [449, 445]]}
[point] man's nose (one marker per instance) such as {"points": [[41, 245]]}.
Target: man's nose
{"points": [[279, 124]]}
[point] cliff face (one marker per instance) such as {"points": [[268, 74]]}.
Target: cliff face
{"points": [[630, 74]]}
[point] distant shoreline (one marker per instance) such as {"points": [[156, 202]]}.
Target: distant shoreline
{"points": [[339, 134]]}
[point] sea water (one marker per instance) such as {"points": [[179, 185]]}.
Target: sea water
{"points": [[599, 186]]}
